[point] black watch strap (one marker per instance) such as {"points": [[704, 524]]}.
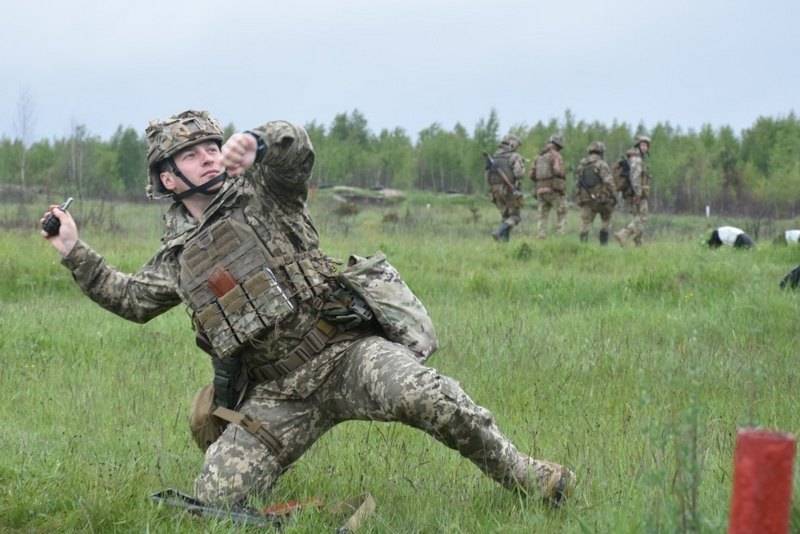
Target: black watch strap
{"points": [[261, 146]]}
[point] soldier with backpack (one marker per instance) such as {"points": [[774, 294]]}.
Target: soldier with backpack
{"points": [[549, 176], [595, 191], [504, 170], [634, 183]]}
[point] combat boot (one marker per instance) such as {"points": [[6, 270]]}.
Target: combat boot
{"points": [[584, 237], [501, 234], [553, 482], [603, 237], [507, 233]]}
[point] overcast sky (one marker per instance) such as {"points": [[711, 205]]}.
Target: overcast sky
{"points": [[402, 63]]}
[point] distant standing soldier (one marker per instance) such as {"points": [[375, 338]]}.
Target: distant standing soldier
{"points": [[595, 191], [549, 179], [636, 190], [504, 170]]}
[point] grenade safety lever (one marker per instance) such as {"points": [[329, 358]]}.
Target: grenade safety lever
{"points": [[51, 224]]}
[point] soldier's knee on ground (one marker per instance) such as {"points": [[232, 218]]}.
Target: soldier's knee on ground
{"points": [[236, 466]]}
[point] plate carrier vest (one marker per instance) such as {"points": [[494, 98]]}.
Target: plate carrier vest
{"points": [[236, 289]]}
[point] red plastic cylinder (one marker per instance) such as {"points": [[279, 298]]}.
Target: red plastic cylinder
{"points": [[762, 482]]}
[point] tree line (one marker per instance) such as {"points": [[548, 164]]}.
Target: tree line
{"points": [[752, 173]]}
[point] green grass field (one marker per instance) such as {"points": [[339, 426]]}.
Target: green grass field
{"points": [[634, 367]]}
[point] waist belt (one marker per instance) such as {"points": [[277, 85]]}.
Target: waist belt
{"points": [[308, 349]]}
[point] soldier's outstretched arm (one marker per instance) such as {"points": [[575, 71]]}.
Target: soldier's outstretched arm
{"points": [[278, 154], [138, 297]]}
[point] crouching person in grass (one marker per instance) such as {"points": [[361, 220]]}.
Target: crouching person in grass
{"points": [[296, 348], [730, 236]]}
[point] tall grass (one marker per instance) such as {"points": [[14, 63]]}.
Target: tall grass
{"points": [[634, 367]]}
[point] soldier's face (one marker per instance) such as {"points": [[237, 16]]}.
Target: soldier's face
{"points": [[644, 147], [199, 163]]}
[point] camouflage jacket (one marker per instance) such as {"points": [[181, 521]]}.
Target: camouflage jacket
{"points": [[639, 176], [603, 189], [273, 196], [511, 163]]}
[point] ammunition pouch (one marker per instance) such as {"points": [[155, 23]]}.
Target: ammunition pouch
{"points": [[237, 289], [308, 349]]}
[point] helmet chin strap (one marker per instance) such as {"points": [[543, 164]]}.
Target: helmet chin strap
{"points": [[204, 189]]}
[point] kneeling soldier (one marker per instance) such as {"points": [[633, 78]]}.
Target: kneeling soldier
{"points": [[294, 352]]}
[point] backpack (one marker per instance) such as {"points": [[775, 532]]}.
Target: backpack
{"points": [[621, 171]]}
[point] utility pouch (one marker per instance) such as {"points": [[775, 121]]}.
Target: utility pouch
{"points": [[401, 315], [206, 428]]}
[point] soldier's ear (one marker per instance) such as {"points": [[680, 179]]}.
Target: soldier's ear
{"points": [[168, 180]]}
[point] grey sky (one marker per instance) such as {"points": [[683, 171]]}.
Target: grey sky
{"points": [[402, 63]]}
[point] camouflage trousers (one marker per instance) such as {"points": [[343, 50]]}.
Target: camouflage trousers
{"points": [[547, 201], [590, 210], [375, 380], [508, 204], [635, 228]]}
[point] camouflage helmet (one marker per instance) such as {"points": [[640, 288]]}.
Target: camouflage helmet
{"points": [[597, 147], [642, 139], [166, 138], [557, 140], [511, 141]]}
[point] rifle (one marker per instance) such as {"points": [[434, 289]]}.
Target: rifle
{"points": [[357, 510], [491, 165], [238, 515]]}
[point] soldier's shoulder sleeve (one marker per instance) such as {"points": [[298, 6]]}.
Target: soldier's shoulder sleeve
{"points": [[289, 158], [137, 297]]}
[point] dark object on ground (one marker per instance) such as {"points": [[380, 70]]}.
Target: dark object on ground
{"points": [[731, 236], [502, 233], [238, 515], [791, 280]]}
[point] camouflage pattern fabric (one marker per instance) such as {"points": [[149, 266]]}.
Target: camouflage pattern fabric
{"points": [[548, 171], [401, 315], [369, 378], [547, 201], [377, 380], [635, 229], [598, 200], [640, 188], [639, 175], [507, 202]]}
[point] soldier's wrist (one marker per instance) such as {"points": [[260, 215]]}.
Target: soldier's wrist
{"points": [[261, 146]]}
